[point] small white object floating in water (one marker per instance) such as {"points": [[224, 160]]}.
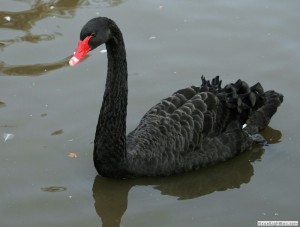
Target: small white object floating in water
{"points": [[7, 18], [244, 126], [7, 136], [103, 51]]}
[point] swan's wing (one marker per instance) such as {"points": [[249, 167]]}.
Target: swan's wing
{"points": [[170, 136], [195, 127]]}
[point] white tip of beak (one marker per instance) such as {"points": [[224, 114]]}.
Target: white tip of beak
{"points": [[73, 61]]}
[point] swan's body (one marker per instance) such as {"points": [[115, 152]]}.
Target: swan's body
{"points": [[193, 128]]}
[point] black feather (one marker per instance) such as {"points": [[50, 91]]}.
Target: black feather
{"points": [[195, 127]]}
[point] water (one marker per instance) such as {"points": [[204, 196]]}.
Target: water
{"points": [[48, 111]]}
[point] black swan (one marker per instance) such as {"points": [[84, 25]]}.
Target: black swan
{"points": [[193, 128]]}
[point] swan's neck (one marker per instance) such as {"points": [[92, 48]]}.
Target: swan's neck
{"points": [[110, 140]]}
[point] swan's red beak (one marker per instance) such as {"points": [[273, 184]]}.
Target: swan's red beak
{"points": [[82, 49]]}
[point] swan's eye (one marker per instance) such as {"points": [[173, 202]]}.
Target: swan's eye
{"points": [[93, 34]]}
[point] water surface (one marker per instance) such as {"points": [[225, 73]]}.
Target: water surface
{"points": [[49, 111]]}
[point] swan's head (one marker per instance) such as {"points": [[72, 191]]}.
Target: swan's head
{"points": [[93, 34]]}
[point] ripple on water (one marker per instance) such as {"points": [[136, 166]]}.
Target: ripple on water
{"points": [[54, 189]]}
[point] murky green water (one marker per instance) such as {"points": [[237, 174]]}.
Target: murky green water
{"points": [[48, 111]]}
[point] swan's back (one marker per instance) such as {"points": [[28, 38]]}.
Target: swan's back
{"points": [[199, 126]]}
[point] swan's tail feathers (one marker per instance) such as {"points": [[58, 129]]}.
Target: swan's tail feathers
{"points": [[238, 95], [260, 118], [213, 86], [241, 97], [252, 105]]}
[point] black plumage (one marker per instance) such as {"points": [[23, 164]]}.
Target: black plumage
{"points": [[195, 127]]}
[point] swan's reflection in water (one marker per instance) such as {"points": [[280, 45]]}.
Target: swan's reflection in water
{"points": [[111, 196]]}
